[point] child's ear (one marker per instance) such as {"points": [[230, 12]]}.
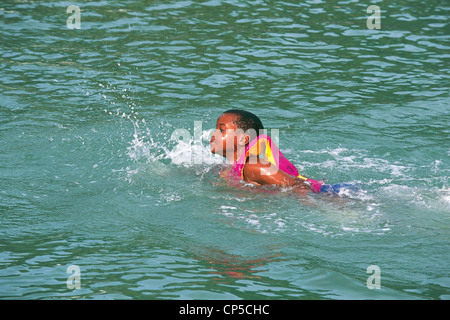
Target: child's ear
{"points": [[247, 139], [244, 139]]}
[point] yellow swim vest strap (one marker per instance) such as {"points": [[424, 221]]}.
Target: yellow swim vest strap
{"points": [[262, 147], [269, 156]]}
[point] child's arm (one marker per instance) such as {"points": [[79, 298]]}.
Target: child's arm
{"points": [[268, 174]]}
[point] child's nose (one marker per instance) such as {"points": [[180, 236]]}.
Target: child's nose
{"points": [[215, 134]]}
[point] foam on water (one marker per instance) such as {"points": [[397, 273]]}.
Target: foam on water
{"points": [[162, 144]]}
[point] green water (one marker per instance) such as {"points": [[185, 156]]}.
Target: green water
{"points": [[90, 177]]}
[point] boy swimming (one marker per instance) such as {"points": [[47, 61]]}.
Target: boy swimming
{"points": [[255, 159]]}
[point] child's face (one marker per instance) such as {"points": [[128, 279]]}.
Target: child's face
{"points": [[227, 137]]}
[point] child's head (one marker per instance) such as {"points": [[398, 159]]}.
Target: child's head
{"points": [[234, 129]]}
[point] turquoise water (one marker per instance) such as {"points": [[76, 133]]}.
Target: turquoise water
{"points": [[90, 176]]}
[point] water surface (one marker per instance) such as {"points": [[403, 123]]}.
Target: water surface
{"points": [[90, 176]]}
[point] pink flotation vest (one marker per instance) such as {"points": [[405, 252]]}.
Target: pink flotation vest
{"points": [[263, 145]]}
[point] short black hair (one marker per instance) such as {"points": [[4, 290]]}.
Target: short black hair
{"points": [[247, 120]]}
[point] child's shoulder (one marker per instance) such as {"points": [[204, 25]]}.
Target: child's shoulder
{"points": [[263, 172], [259, 171]]}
